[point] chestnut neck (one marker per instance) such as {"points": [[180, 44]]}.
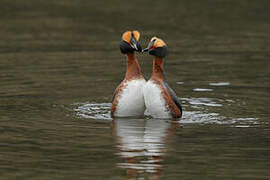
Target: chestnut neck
{"points": [[157, 73], [133, 67]]}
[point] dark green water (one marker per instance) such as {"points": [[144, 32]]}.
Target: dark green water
{"points": [[60, 63]]}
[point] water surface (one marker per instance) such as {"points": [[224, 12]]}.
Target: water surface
{"points": [[60, 63]]}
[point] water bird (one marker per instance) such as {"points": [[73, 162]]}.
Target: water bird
{"points": [[160, 100], [128, 97]]}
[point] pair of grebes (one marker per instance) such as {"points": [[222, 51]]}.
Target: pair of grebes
{"points": [[134, 94]]}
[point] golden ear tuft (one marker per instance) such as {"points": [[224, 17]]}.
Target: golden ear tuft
{"points": [[136, 35], [159, 43], [126, 36]]}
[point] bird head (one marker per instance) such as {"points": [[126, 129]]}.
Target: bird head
{"points": [[130, 42], [157, 47]]}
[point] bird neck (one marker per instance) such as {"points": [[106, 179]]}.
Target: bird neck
{"points": [[133, 67], [157, 73]]}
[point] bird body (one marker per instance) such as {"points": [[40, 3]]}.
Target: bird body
{"points": [[128, 97], [160, 100], [155, 101]]}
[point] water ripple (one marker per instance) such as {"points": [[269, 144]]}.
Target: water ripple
{"points": [[201, 115], [202, 90], [93, 110], [203, 101], [220, 84]]}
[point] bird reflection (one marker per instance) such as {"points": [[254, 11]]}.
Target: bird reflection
{"points": [[142, 143]]}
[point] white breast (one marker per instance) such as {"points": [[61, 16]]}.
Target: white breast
{"points": [[154, 101], [131, 100]]}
